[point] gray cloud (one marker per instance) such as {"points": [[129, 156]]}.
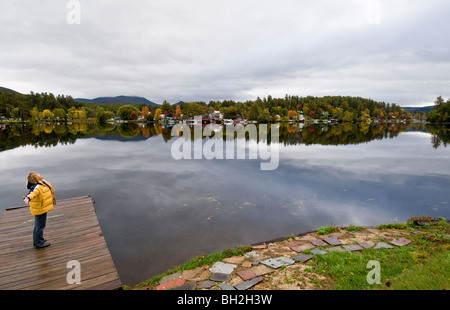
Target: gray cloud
{"points": [[203, 49]]}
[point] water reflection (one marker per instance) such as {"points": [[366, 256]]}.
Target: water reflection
{"points": [[47, 135]]}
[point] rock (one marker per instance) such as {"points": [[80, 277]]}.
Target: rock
{"points": [[189, 286], [401, 242], [248, 284], [205, 284], [366, 244], [226, 287], [384, 245], [278, 262], [318, 251], [170, 284], [220, 277], [221, 267], [353, 247], [303, 257], [318, 242], [247, 274], [332, 241], [335, 249], [303, 247]]}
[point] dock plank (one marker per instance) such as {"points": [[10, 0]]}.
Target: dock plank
{"points": [[74, 233]]}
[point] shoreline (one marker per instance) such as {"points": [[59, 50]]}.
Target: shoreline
{"points": [[303, 257]]}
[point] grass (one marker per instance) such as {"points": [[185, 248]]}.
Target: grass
{"points": [[423, 264], [326, 230]]}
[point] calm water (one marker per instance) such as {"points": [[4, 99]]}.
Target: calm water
{"points": [[157, 212]]}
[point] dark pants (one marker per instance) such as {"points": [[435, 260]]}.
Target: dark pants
{"points": [[38, 233]]}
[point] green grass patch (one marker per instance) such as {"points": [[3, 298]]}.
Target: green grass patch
{"points": [[423, 264], [326, 230], [432, 274], [352, 228]]}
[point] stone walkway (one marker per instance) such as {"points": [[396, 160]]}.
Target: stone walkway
{"points": [[261, 268]]}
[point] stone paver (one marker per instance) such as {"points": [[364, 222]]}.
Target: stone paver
{"points": [[265, 259], [170, 284], [189, 286], [221, 267], [205, 284], [226, 287], [366, 244], [332, 241], [252, 254], [248, 284], [303, 247], [352, 247], [318, 242], [220, 277], [278, 262], [303, 258], [384, 245], [401, 242], [318, 251], [247, 274]]}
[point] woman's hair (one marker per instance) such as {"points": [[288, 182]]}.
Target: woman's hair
{"points": [[32, 177]]}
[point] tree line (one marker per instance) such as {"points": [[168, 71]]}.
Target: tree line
{"points": [[46, 106], [52, 134], [441, 112]]}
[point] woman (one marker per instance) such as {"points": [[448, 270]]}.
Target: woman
{"points": [[41, 198]]}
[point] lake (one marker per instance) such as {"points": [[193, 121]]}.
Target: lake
{"points": [[157, 211]]}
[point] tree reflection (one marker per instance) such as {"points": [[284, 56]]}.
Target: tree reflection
{"points": [[51, 134]]}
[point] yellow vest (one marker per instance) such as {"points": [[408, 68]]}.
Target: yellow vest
{"points": [[42, 198]]}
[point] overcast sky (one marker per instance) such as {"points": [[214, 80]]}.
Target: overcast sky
{"points": [[397, 51]]}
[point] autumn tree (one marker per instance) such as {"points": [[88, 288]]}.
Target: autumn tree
{"points": [[145, 111], [47, 113], [158, 113], [292, 114]]}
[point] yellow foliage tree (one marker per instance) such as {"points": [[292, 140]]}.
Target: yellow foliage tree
{"points": [[158, 113], [144, 111], [47, 113]]}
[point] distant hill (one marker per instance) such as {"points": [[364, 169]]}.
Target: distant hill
{"points": [[8, 91], [418, 109], [118, 99]]}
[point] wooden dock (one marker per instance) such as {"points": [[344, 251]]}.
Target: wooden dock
{"points": [[74, 233]]}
